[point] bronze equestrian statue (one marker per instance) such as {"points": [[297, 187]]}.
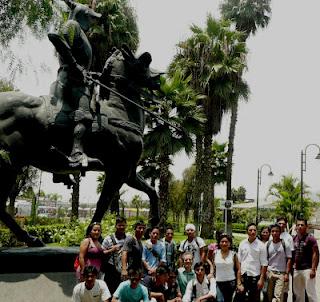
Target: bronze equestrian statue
{"points": [[75, 58], [40, 131]]}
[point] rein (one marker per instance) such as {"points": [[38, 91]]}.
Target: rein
{"points": [[89, 77]]}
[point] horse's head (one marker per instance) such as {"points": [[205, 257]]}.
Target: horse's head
{"points": [[138, 69], [123, 69]]}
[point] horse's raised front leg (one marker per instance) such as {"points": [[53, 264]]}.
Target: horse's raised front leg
{"points": [[137, 181], [7, 179]]}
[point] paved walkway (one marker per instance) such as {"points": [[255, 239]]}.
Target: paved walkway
{"points": [[29, 287]]}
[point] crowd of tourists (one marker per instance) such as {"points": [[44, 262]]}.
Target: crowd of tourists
{"points": [[123, 268]]}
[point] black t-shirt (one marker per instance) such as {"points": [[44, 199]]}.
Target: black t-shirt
{"points": [[150, 283], [134, 248]]}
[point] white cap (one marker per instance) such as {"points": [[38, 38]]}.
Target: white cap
{"points": [[190, 226]]}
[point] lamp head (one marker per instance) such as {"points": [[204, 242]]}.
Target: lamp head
{"points": [[270, 173], [318, 156]]}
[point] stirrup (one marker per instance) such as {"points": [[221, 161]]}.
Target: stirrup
{"points": [[78, 159]]}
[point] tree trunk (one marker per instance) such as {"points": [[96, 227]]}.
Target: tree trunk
{"points": [[75, 199], [114, 207], [164, 163], [232, 132], [207, 229], [198, 189], [12, 198]]}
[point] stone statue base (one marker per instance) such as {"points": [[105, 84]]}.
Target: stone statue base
{"points": [[37, 259]]}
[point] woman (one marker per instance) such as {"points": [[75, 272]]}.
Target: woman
{"points": [[226, 265], [264, 234], [90, 250]]}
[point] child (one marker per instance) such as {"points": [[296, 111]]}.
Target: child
{"points": [[131, 290], [173, 293]]}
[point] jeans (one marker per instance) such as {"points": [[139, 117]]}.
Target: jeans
{"points": [[225, 290], [250, 289]]}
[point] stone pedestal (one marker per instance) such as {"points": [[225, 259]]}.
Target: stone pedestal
{"points": [[37, 274]]}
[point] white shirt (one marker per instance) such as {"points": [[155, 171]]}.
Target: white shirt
{"points": [[201, 289], [193, 247], [224, 266], [99, 292], [287, 238], [252, 256]]}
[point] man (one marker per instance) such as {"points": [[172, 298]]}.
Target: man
{"points": [[185, 273], [131, 290], [154, 253], [252, 256], [279, 265], [157, 284], [200, 289], [171, 248], [75, 57], [192, 244], [132, 250], [92, 289], [306, 259], [112, 246], [287, 238]]}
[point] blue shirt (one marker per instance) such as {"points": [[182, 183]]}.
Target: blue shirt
{"points": [[127, 294], [153, 254]]}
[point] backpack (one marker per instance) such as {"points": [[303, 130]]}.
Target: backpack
{"points": [[117, 255], [185, 242], [268, 245]]}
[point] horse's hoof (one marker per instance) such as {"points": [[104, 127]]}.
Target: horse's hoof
{"points": [[35, 242]]}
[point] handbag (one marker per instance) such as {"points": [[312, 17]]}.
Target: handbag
{"points": [[76, 263]]}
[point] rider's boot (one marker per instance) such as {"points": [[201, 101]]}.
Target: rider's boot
{"points": [[78, 158]]}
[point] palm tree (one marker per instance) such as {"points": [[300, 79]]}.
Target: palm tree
{"points": [[248, 16], [178, 105], [213, 56], [287, 198], [118, 26]]}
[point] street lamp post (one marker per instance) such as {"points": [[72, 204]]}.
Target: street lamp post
{"points": [[304, 169], [258, 186]]}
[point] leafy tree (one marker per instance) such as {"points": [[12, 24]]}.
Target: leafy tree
{"points": [[238, 195], [287, 198], [213, 56], [177, 105], [15, 14], [149, 169], [189, 182], [118, 26], [177, 195], [25, 180], [137, 203]]}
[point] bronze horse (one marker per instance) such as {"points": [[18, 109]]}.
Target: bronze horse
{"points": [[37, 131]]}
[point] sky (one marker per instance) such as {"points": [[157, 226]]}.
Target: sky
{"points": [[281, 116]]}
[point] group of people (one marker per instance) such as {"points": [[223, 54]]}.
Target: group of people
{"points": [[122, 268]]}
